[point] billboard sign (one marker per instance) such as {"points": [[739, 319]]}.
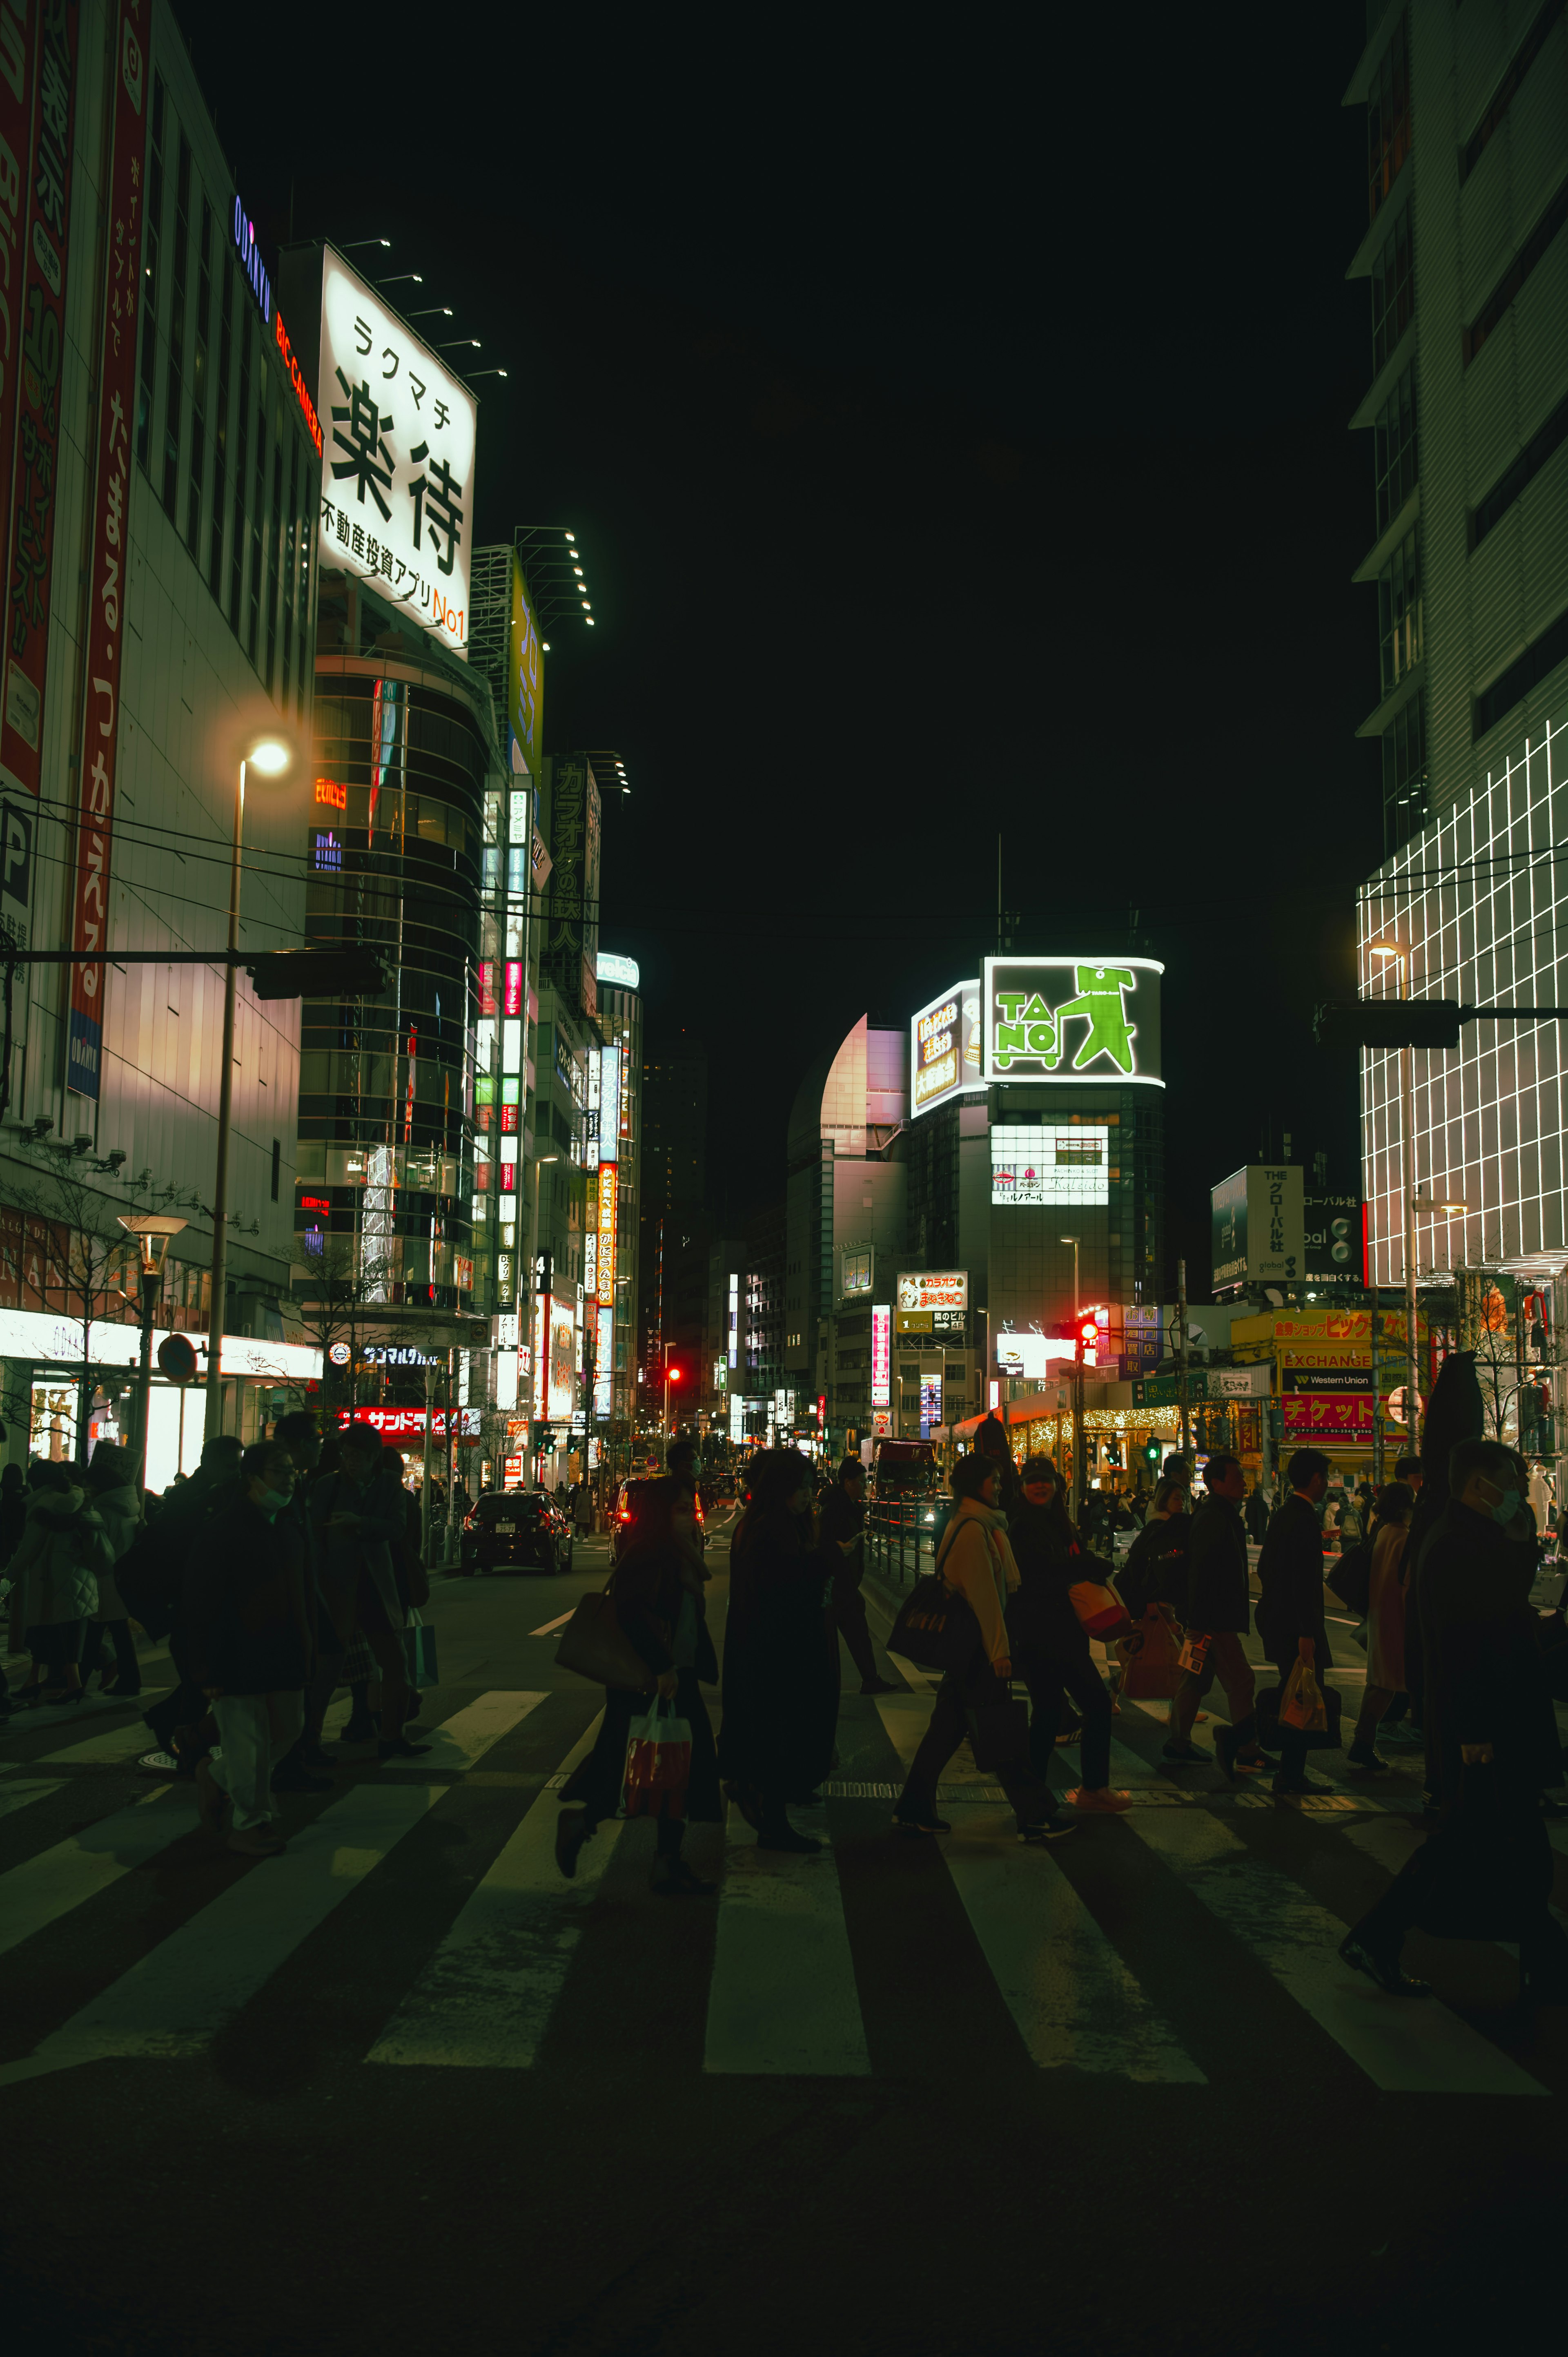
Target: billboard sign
{"points": [[609, 1173], [944, 1047], [1258, 1227], [923, 1288], [36, 354], [397, 493], [1335, 1228], [1067, 1020], [1050, 1163], [525, 679], [881, 1354]]}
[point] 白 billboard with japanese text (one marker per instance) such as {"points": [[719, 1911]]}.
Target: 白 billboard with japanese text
{"points": [[397, 491], [1068, 1020], [944, 1047], [99, 750], [35, 347], [933, 1289]]}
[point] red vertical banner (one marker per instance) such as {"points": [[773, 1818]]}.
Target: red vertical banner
{"points": [[34, 475], [19, 73], [100, 749]]}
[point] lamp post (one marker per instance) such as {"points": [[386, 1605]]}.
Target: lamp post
{"points": [[1398, 959], [151, 1231], [270, 757]]}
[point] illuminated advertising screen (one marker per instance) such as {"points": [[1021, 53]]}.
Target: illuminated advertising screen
{"points": [[562, 1365], [1050, 1163], [944, 1047], [525, 682], [857, 1271], [603, 1364], [881, 1354], [921, 1289], [1066, 1020], [400, 430], [609, 1103], [609, 1176]]}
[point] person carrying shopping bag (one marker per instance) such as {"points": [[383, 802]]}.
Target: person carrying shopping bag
{"points": [[657, 1590], [976, 1563], [1050, 1643]]}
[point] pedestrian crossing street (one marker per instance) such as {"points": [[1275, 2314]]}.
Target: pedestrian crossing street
{"points": [[1164, 1948]]}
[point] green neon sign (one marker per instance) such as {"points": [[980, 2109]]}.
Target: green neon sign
{"points": [[1067, 1020]]}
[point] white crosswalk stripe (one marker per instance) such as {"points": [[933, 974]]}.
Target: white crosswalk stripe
{"points": [[486, 1998], [783, 1996]]}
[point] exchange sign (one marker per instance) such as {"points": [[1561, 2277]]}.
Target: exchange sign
{"points": [[1072, 1019]]}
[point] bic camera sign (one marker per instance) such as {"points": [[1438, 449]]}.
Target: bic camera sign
{"points": [[1073, 1019]]}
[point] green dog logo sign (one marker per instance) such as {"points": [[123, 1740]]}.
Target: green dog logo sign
{"points": [[1067, 1020]]}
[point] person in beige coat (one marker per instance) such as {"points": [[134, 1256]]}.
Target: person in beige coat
{"points": [[976, 1562], [111, 1487]]}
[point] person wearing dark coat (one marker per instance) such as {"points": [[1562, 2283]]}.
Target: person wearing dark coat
{"points": [[1291, 1623], [991, 1440], [1218, 1606], [1155, 1569], [840, 1537], [249, 1623], [1454, 1412], [1487, 1872], [657, 1586], [771, 1745], [1256, 1513], [181, 1519], [1049, 1644]]}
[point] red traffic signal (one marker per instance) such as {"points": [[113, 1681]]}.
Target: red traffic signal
{"points": [[674, 1373], [1088, 1332]]}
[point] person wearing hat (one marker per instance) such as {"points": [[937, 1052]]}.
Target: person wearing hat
{"points": [[977, 1563]]}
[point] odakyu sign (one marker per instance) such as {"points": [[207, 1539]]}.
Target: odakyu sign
{"points": [[1067, 1020]]}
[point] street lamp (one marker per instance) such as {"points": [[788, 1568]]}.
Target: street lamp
{"points": [[151, 1231], [269, 755]]}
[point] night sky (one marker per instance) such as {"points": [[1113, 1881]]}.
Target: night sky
{"points": [[955, 432]]}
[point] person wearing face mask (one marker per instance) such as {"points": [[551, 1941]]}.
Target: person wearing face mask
{"points": [[248, 1614], [1487, 1872]]}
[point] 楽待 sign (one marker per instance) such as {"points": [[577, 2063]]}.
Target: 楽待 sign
{"points": [[1072, 1019]]}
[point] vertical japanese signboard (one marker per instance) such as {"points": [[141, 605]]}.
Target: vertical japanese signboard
{"points": [[525, 679], [100, 749], [881, 1354], [609, 1175], [38, 324], [18, 69], [572, 913], [397, 491]]}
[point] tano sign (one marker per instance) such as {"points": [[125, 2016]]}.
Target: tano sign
{"points": [[1073, 1019]]}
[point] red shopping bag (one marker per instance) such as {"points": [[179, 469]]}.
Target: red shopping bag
{"points": [[658, 1761]]}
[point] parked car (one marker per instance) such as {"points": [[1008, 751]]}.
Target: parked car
{"points": [[517, 1530], [627, 1507]]}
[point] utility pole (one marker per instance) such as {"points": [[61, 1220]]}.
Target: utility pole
{"points": [[1181, 1358]]}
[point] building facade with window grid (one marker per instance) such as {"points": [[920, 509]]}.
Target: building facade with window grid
{"points": [[191, 697], [1471, 574]]}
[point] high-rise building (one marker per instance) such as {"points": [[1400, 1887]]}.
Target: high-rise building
{"points": [[160, 472], [673, 1224], [1465, 254]]}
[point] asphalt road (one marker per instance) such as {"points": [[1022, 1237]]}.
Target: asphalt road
{"points": [[405, 2082]]}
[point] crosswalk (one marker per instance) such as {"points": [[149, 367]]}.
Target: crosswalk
{"points": [[1136, 1953]]}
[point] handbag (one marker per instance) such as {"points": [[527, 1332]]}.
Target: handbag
{"points": [[1300, 1703], [999, 1734], [658, 1761], [419, 1653], [596, 1646], [1150, 1656], [1101, 1610], [1351, 1578], [935, 1627], [1324, 1738]]}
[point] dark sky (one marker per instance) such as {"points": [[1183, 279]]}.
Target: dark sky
{"points": [[954, 424]]}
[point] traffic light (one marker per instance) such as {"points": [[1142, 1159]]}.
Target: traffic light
{"points": [[1087, 1330], [1387, 1023], [319, 974], [1151, 1452]]}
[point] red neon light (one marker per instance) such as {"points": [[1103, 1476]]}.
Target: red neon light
{"points": [[316, 1204], [296, 378], [329, 791]]}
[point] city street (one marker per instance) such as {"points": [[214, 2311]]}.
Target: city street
{"points": [[470, 2103]]}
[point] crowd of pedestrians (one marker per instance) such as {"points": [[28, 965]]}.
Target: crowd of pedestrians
{"points": [[274, 1575]]}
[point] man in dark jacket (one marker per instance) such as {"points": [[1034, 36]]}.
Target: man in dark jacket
{"points": [[249, 1618], [1050, 1646], [174, 1534], [1256, 1512], [294, 1773], [1289, 1603], [1220, 1608], [1487, 1872], [841, 1539]]}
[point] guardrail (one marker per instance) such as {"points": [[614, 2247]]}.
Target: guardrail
{"points": [[901, 1536]]}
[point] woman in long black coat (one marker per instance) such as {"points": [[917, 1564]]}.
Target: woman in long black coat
{"points": [[776, 1663], [658, 1592]]}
